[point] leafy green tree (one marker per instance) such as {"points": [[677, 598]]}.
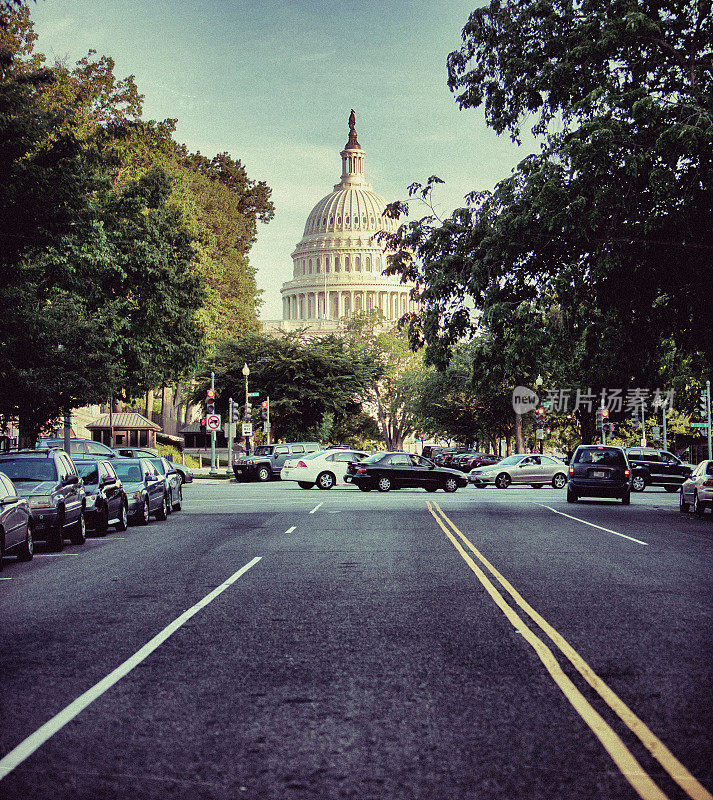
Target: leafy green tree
{"points": [[314, 385], [621, 190]]}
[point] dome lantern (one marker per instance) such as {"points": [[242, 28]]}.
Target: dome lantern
{"points": [[352, 159]]}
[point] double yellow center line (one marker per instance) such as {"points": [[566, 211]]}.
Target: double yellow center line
{"points": [[619, 752]]}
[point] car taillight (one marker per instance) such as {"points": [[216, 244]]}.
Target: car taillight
{"points": [[571, 469], [626, 473], [302, 464], [361, 470]]}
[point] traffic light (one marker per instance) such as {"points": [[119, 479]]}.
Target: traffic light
{"points": [[605, 414], [210, 401], [610, 429], [548, 431], [235, 411], [203, 426], [600, 419], [704, 403], [248, 410], [635, 415], [264, 409]]}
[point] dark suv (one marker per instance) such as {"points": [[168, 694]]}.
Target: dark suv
{"points": [[597, 470], [651, 467], [50, 482], [268, 459]]}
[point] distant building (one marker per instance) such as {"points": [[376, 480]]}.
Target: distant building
{"points": [[338, 264]]}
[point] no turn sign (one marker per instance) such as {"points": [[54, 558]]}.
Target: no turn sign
{"points": [[212, 422]]}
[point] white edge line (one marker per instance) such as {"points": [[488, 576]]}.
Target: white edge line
{"points": [[289, 530], [319, 505], [5, 579], [55, 555], [592, 525], [33, 742]]}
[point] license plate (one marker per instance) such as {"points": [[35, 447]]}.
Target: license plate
{"points": [[599, 474]]}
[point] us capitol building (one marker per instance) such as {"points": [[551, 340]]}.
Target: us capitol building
{"points": [[338, 263]]}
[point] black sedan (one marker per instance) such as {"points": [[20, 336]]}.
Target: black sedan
{"points": [[15, 523], [398, 470], [107, 503]]}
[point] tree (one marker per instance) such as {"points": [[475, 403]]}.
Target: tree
{"points": [[314, 385], [590, 226]]}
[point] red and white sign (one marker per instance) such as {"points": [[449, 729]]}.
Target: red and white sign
{"points": [[212, 422]]}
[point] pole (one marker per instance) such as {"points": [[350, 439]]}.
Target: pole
{"points": [[230, 435], [643, 424], [663, 408], [213, 470], [604, 425], [68, 429], [708, 409], [111, 421], [269, 426]]}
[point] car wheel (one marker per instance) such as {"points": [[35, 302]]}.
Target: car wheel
{"points": [[683, 506], [55, 537], [263, 474], [503, 481], [626, 499], [28, 547], [179, 503], [102, 525], [325, 480], [571, 496], [638, 484], [78, 533], [450, 486], [698, 509], [559, 481], [144, 516], [384, 484], [305, 484], [162, 513], [123, 522]]}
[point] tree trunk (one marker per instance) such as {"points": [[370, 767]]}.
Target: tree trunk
{"points": [[149, 404], [519, 442]]}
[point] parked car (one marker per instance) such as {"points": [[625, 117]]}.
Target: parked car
{"points": [[599, 471], [468, 461], [15, 523], [323, 468], [106, 501], [268, 459], [651, 467], [78, 447], [398, 470], [697, 490], [50, 482], [145, 489], [531, 469], [185, 473], [173, 482]]}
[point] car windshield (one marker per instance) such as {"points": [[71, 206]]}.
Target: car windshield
{"points": [[129, 471], [608, 456], [158, 463], [263, 451], [29, 469], [311, 455], [373, 459], [511, 460], [89, 470]]}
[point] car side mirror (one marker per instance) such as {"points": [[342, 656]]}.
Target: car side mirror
{"points": [[6, 501]]}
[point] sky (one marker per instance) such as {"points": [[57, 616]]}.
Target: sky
{"points": [[272, 83]]}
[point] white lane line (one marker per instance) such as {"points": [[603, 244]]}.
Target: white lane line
{"points": [[33, 742], [289, 530], [5, 579], [55, 555], [592, 525], [319, 505]]}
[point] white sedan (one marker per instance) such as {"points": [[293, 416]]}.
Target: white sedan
{"points": [[324, 468]]}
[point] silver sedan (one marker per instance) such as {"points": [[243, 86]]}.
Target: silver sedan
{"points": [[697, 490], [532, 469]]}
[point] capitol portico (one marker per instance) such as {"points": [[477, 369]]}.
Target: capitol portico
{"points": [[338, 263]]}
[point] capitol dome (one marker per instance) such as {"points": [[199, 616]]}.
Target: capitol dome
{"points": [[338, 264]]}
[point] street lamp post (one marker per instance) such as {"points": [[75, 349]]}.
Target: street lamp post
{"points": [[246, 372], [538, 382]]}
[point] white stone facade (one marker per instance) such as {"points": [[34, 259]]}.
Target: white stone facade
{"points": [[338, 264]]}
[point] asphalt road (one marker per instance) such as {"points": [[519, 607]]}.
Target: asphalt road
{"points": [[346, 645]]}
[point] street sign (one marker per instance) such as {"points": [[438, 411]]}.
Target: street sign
{"points": [[247, 429], [540, 433], [266, 427], [656, 432], [253, 394], [212, 422], [699, 424]]}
